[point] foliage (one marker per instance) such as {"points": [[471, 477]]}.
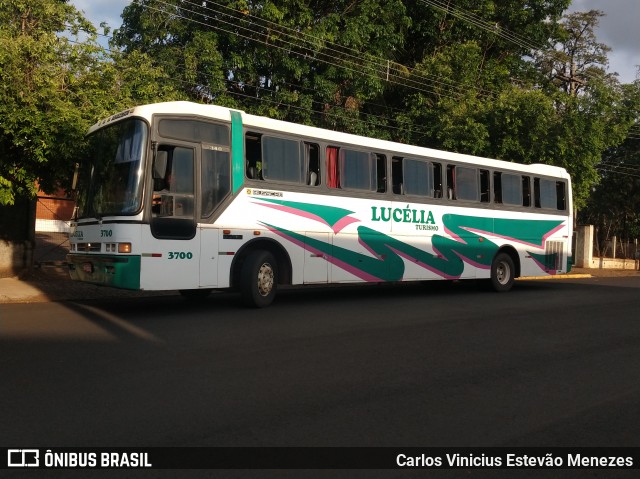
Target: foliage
{"points": [[591, 113], [38, 107], [614, 205], [511, 80], [55, 81], [313, 62]]}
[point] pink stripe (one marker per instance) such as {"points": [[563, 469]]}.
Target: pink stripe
{"points": [[423, 265], [293, 211], [515, 240], [346, 221], [353, 270], [543, 267], [557, 228], [331, 259], [454, 236], [471, 261], [339, 226]]}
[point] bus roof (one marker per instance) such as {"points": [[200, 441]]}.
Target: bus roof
{"points": [[330, 136]]}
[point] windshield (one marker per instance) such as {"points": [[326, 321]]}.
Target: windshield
{"points": [[111, 183]]}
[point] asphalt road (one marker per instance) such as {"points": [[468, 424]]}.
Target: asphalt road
{"points": [[552, 363]]}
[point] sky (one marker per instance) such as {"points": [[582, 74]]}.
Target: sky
{"points": [[618, 29]]}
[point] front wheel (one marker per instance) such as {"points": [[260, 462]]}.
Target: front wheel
{"points": [[259, 279], [502, 272]]}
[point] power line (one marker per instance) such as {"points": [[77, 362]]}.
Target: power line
{"points": [[230, 92], [374, 70], [611, 165], [481, 23], [382, 63], [381, 124], [293, 85], [509, 36], [622, 173], [499, 31]]}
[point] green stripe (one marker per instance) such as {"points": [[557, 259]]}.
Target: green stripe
{"points": [[448, 261], [116, 271], [330, 214], [237, 151]]}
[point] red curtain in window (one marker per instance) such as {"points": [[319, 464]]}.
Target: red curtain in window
{"points": [[333, 177]]}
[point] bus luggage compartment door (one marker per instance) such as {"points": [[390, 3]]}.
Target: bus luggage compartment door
{"points": [[209, 256], [316, 268]]}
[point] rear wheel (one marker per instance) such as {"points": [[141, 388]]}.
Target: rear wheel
{"points": [[259, 279], [502, 272]]}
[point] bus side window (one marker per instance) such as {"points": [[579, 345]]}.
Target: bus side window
{"points": [[466, 181], [511, 189], [312, 158], [282, 160], [333, 172], [356, 169], [437, 180], [485, 192], [215, 179], [451, 183], [418, 177], [177, 193], [381, 172], [253, 152], [561, 193], [397, 185], [497, 187], [526, 191], [545, 192]]}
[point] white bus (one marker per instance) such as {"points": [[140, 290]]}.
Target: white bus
{"points": [[190, 197]]}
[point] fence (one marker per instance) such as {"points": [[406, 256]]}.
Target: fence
{"points": [[53, 214], [612, 253], [617, 248]]}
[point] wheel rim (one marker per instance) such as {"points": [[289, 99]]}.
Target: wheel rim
{"points": [[503, 272], [265, 279]]}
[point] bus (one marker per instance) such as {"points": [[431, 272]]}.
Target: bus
{"points": [[192, 197]]}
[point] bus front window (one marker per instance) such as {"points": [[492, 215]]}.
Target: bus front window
{"points": [[113, 177]]}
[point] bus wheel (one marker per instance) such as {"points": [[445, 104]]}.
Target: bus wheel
{"points": [[259, 279], [502, 272]]}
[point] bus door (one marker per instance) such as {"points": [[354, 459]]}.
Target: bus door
{"points": [[215, 186], [175, 239]]}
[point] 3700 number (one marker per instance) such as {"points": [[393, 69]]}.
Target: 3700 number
{"points": [[180, 255]]}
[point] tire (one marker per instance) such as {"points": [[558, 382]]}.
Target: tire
{"points": [[258, 279], [503, 273], [195, 294]]}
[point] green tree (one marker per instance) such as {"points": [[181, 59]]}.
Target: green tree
{"points": [[591, 114], [314, 62], [40, 114], [614, 206], [55, 81]]}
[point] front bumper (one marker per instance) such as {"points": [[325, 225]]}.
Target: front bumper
{"points": [[118, 271]]}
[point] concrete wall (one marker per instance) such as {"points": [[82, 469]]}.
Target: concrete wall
{"points": [[15, 257], [602, 263], [17, 236], [583, 255]]}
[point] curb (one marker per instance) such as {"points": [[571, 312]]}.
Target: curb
{"points": [[555, 276]]}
